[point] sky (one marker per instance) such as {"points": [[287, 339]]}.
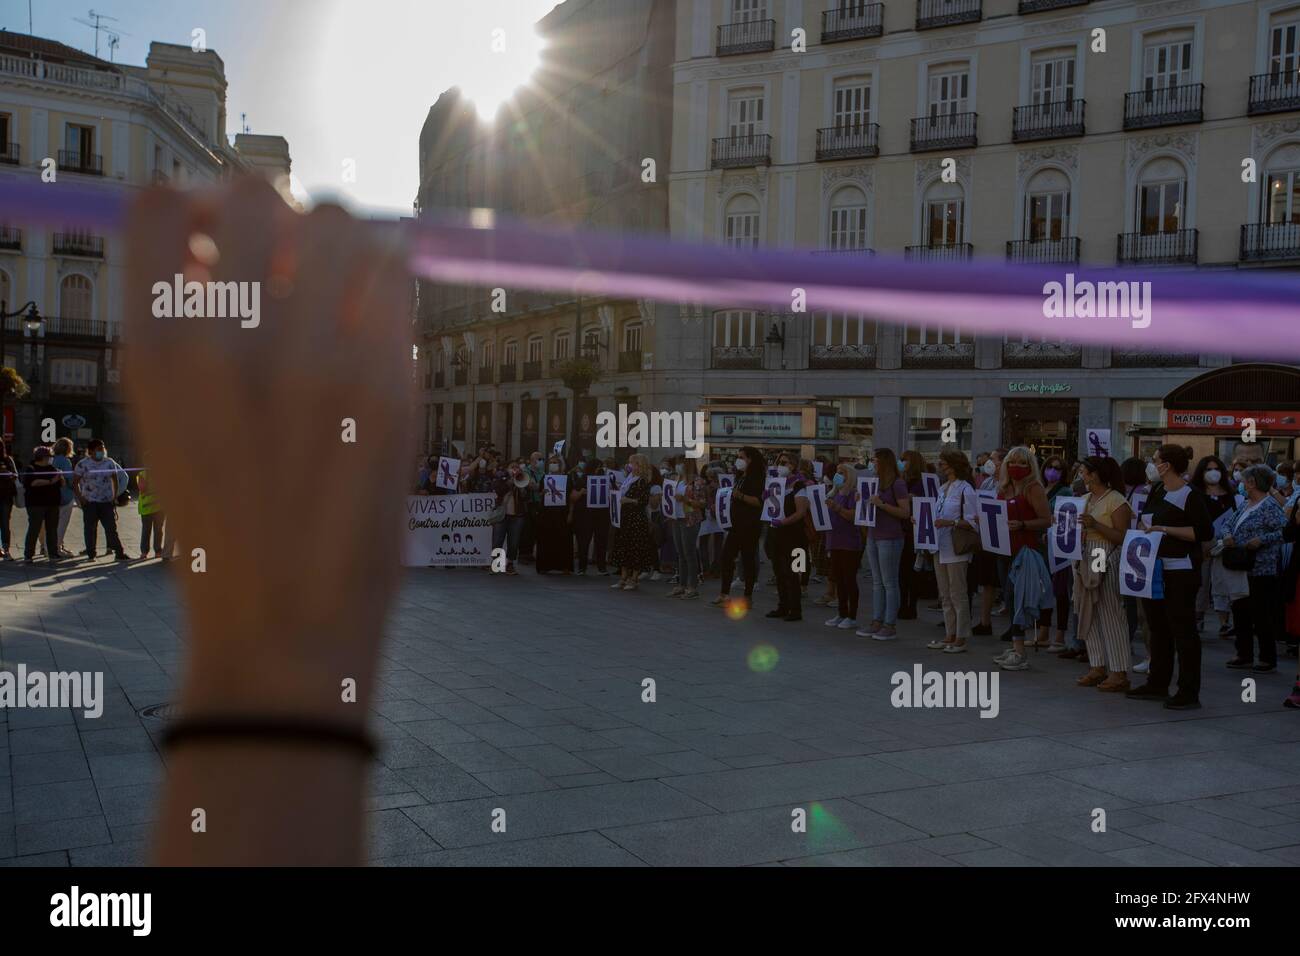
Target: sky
{"points": [[339, 79]]}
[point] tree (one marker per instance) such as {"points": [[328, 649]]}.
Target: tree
{"points": [[12, 384], [578, 374]]}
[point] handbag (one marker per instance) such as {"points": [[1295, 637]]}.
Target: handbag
{"points": [[1238, 559], [964, 540]]}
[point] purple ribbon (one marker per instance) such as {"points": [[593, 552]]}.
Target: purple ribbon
{"points": [[446, 471], [552, 490], [1189, 309]]}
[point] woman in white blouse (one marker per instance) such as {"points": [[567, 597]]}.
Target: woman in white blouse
{"points": [[956, 509]]}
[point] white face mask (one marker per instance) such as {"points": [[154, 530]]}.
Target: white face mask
{"points": [[1236, 475], [553, 468], [482, 463], [1212, 475], [740, 464], [521, 482], [1153, 473], [783, 471], [990, 469]]}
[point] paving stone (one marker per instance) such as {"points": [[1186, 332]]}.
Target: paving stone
{"points": [[61, 834], [1191, 777], [392, 833], [793, 783]]}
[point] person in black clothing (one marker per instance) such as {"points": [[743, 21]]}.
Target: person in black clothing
{"points": [[1181, 512], [588, 523], [742, 539], [43, 487], [8, 494], [786, 534]]}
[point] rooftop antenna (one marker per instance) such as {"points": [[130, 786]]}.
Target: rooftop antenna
{"points": [[113, 42], [95, 22], [243, 122]]}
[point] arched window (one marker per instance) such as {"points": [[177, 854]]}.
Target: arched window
{"points": [[742, 222], [737, 328], [848, 219], [488, 354], [1281, 195], [75, 297], [1161, 194], [945, 214], [74, 375], [1047, 206], [535, 348], [510, 353], [632, 337], [563, 346]]}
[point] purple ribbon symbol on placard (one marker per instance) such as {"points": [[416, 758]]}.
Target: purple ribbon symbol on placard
{"points": [[551, 490], [1095, 441], [446, 471]]}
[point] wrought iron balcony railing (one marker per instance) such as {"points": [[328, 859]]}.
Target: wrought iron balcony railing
{"points": [[629, 361], [1147, 358], [507, 373], [11, 238], [1270, 241], [854, 22], [531, 372], [1055, 120], [848, 142], [11, 154], [1159, 248], [1274, 93], [78, 244], [72, 161], [944, 131], [751, 149], [940, 252], [843, 356], [939, 355], [747, 36], [737, 356], [1164, 106], [1038, 6], [946, 13], [1041, 355], [855, 251], [1065, 249], [62, 327]]}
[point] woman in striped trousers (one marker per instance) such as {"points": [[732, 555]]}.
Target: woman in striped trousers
{"points": [[1102, 622]]}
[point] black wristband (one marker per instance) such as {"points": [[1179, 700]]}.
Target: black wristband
{"points": [[268, 730]]}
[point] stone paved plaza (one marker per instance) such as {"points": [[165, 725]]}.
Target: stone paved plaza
{"points": [[524, 694]]}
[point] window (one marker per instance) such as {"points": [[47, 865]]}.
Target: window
{"points": [[735, 328], [1283, 47], [488, 355], [80, 142], [632, 337], [843, 328], [949, 88], [509, 353], [742, 222], [848, 219], [925, 424], [75, 297], [743, 11], [535, 349], [591, 342], [923, 335], [1047, 206], [943, 221], [5, 295], [6, 122], [745, 114], [78, 374], [1282, 204], [1166, 62], [1160, 206], [1051, 78], [563, 341], [852, 103]]}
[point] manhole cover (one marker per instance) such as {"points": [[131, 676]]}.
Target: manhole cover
{"points": [[157, 712]]}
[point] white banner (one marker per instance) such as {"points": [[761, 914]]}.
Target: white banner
{"points": [[554, 488], [995, 532], [448, 530], [774, 499], [448, 474], [1066, 533], [821, 516], [925, 537], [866, 511], [1138, 562], [597, 491], [722, 508]]}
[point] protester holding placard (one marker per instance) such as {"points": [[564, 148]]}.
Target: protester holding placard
{"points": [[1136, 489], [1219, 587], [1254, 545], [786, 534], [514, 491], [590, 525], [1178, 511], [955, 522], [1028, 514], [983, 572], [1102, 624], [910, 580], [634, 551], [554, 539], [885, 545], [844, 544], [746, 512], [689, 503], [1057, 483], [1291, 591]]}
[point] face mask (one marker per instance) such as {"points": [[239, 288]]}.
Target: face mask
{"points": [[837, 480], [783, 471], [553, 468], [871, 468], [1241, 488], [99, 456], [990, 469], [1236, 475], [1212, 475], [581, 467], [1018, 471], [521, 482], [1281, 481], [741, 464], [1052, 474], [1153, 473]]}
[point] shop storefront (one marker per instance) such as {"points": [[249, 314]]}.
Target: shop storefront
{"points": [[804, 427], [1212, 411]]}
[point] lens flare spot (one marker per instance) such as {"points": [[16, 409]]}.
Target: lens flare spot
{"points": [[824, 829], [737, 608], [763, 658]]}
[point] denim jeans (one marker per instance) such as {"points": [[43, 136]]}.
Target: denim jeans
{"points": [[685, 539], [883, 557], [507, 531]]}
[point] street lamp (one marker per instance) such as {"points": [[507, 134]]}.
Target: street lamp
{"points": [[32, 323]]}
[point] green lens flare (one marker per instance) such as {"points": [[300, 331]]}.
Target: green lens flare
{"points": [[763, 658]]}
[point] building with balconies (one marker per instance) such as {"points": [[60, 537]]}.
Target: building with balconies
{"points": [[121, 127]]}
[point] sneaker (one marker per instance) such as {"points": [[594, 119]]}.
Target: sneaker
{"points": [[835, 621], [1293, 699], [955, 648], [938, 645], [656, 576], [1182, 701], [886, 633], [1147, 692], [1004, 655], [690, 594], [1014, 662], [867, 630], [616, 585], [720, 601], [847, 624], [1141, 668], [1054, 648], [677, 591]]}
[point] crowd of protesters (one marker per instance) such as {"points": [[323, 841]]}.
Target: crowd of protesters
{"points": [[1228, 534], [58, 479]]}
